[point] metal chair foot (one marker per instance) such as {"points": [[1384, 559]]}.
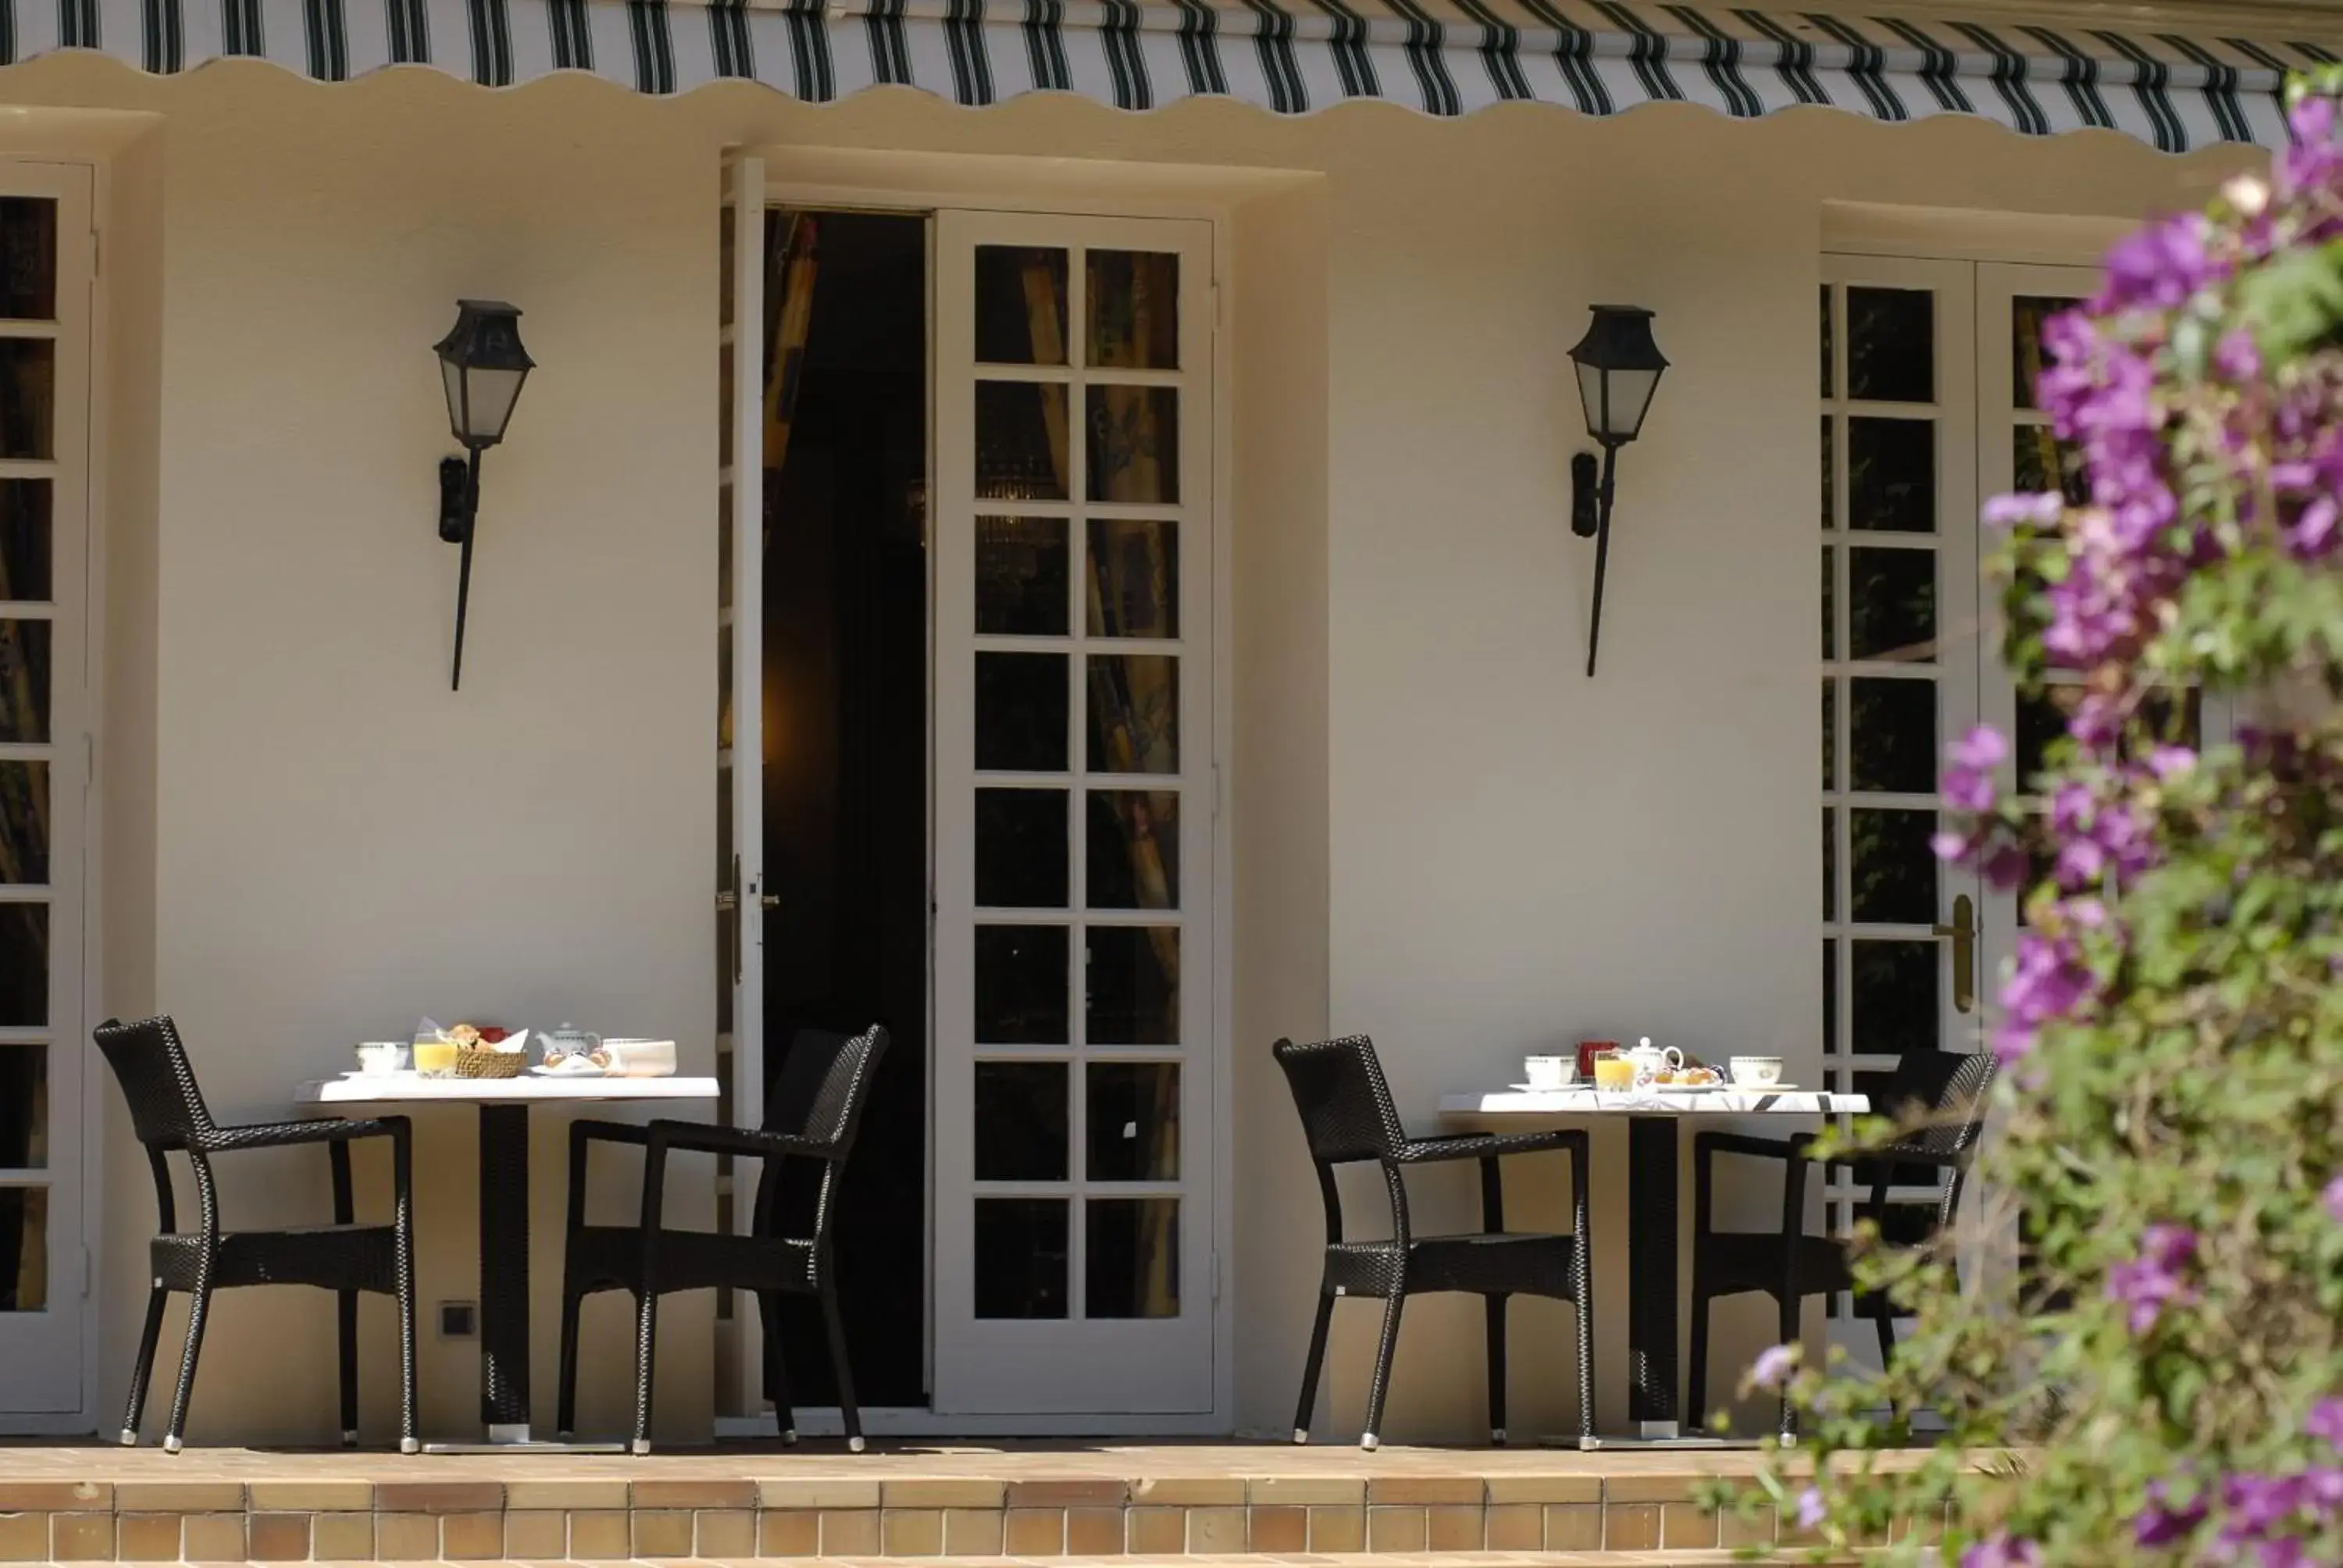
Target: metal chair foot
{"points": [[172, 1445], [349, 1437], [854, 1445], [129, 1438], [640, 1446], [1496, 1437], [1370, 1442], [790, 1437], [409, 1445], [1301, 1436]]}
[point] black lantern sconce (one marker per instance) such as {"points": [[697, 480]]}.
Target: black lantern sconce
{"points": [[483, 363], [1619, 368]]}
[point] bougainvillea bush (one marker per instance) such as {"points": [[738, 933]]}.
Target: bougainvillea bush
{"points": [[2157, 1364]]}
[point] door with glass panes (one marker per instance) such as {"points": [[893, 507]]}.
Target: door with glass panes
{"points": [[1074, 816], [45, 761]]}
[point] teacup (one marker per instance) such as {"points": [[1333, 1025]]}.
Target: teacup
{"points": [[1550, 1071], [1756, 1071], [380, 1058]]}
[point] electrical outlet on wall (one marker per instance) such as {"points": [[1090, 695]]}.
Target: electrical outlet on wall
{"points": [[459, 1321]]}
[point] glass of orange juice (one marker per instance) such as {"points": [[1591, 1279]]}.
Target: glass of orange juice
{"points": [[435, 1058], [1612, 1069]]}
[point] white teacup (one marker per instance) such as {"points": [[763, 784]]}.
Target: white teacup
{"points": [[1550, 1071], [381, 1058], [1756, 1071]]}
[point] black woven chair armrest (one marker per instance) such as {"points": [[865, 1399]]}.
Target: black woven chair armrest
{"points": [[1902, 1154], [713, 1138], [1486, 1145], [1791, 1147], [285, 1134]]}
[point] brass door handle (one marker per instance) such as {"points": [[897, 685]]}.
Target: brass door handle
{"points": [[1963, 931]]}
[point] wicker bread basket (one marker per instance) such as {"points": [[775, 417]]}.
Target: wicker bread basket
{"points": [[481, 1061]]}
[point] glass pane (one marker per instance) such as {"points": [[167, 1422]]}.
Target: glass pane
{"points": [[1020, 712], [1830, 606], [1134, 589], [2026, 359], [1891, 475], [1131, 1267], [725, 223], [1022, 575], [1134, 850], [1830, 734], [1891, 345], [2040, 461], [1020, 985], [1133, 1121], [2041, 719], [25, 563], [1134, 309], [1827, 339], [24, 680], [23, 824], [1830, 863], [28, 258], [1021, 1122], [724, 406], [1020, 441], [1134, 444], [1020, 305], [1021, 848], [724, 545], [1135, 713], [28, 374], [1830, 995], [24, 1249], [1893, 743], [25, 1107], [24, 966], [1130, 992], [2161, 719], [1894, 871], [1894, 997], [1830, 473], [1892, 605], [1020, 1257], [723, 689]]}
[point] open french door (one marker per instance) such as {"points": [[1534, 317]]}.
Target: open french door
{"points": [[1074, 816]]}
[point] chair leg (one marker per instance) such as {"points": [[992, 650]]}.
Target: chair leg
{"points": [[1496, 1309], [1885, 1323], [409, 1440], [1789, 1327], [1696, 1378], [848, 1412], [143, 1369], [1381, 1384], [346, 1315], [646, 1343], [199, 1308], [777, 1367], [1311, 1366], [564, 1418]]}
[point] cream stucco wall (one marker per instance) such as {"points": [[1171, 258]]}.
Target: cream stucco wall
{"points": [[1443, 833]]}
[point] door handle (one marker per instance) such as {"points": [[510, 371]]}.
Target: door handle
{"points": [[1963, 931]]}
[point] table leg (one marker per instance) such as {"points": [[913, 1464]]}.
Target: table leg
{"points": [[1652, 1243], [504, 1271]]}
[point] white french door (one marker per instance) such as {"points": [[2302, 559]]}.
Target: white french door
{"points": [[1074, 806], [45, 278]]}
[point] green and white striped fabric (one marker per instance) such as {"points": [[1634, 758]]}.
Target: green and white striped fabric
{"points": [[1291, 56]]}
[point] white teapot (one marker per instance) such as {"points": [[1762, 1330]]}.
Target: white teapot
{"points": [[1651, 1060]]}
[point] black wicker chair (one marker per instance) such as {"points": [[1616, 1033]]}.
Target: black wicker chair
{"points": [[1944, 1093], [812, 1113], [167, 1112], [1348, 1117]]}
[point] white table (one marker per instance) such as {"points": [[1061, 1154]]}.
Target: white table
{"points": [[1653, 1236], [504, 1104]]}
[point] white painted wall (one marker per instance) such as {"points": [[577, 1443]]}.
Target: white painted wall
{"points": [[1446, 835]]}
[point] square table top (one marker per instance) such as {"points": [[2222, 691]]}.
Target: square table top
{"points": [[412, 1089], [1583, 1102]]}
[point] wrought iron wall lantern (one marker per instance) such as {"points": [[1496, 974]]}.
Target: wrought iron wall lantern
{"points": [[1619, 368], [483, 363]]}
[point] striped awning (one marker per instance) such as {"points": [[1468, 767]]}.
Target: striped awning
{"points": [[1290, 56]]}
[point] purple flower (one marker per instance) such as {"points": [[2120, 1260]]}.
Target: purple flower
{"points": [[1810, 1509], [1773, 1366], [2256, 1504], [2326, 1421], [2237, 359], [2313, 532], [2333, 1198], [2163, 1522], [1949, 846], [1983, 748], [2157, 267], [2047, 982], [2041, 510], [2002, 1550], [2286, 1552], [2323, 1487], [2170, 762], [2148, 1283], [1967, 790]]}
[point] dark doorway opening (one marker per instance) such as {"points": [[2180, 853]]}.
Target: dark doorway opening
{"points": [[846, 754]]}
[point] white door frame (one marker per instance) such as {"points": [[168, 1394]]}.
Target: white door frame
{"points": [[62, 1402], [1096, 189]]}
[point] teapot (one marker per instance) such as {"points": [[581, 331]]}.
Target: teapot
{"points": [[1651, 1060], [569, 1041]]}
